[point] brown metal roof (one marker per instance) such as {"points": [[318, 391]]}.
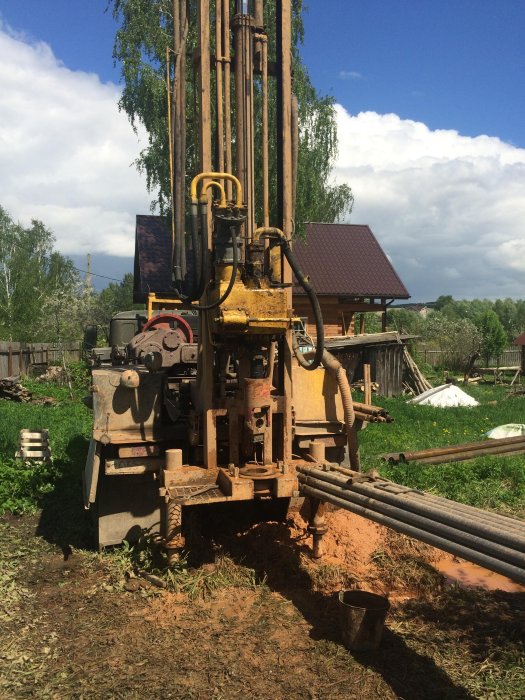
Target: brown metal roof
{"points": [[347, 260], [520, 340], [152, 271]]}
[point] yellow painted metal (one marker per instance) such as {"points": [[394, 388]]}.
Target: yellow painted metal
{"points": [[153, 299], [316, 396], [214, 183], [255, 310], [269, 231], [215, 176]]}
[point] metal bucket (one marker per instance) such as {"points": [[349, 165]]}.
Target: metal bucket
{"points": [[362, 616]]}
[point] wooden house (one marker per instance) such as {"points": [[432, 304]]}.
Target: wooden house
{"points": [[350, 273], [352, 276]]}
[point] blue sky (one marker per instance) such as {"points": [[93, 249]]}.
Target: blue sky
{"points": [[430, 115], [452, 64]]}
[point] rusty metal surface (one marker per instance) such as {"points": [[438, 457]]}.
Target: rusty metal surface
{"points": [[473, 535], [116, 408], [461, 452]]}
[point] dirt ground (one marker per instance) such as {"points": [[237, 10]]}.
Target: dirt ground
{"points": [[76, 624]]}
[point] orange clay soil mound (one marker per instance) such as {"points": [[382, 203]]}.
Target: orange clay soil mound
{"points": [[349, 542]]}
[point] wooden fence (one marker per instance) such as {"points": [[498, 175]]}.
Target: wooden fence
{"points": [[438, 358], [17, 358]]}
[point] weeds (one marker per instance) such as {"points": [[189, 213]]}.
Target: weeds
{"points": [[488, 482], [149, 556]]}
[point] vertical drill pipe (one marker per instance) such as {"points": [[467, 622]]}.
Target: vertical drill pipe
{"points": [[219, 84], [227, 92], [295, 151], [250, 134], [175, 262], [206, 354], [181, 210], [240, 145], [178, 131], [284, 81], [264, 109]]}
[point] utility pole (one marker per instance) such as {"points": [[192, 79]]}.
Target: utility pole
{"points": [[87, 282]]}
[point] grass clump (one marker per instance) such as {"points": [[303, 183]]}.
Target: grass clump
{"points": [[148, 556], [24, 486], [493, 482]]}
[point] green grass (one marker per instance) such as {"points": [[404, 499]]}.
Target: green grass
{"points": [[487, 482], [23, 487]]}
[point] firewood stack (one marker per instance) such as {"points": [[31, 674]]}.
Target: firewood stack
{"points": [[11, 389], [414, 381]]}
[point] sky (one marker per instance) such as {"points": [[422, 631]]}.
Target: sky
{"points": [[430, 104]]}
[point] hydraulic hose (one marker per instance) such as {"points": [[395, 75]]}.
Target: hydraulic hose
{"points": [[276, 233], [235, 267], [318, 315], [336, 369]]}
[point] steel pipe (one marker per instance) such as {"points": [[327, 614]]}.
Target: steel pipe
{"points": [[473, 454], [452, 449], [438, 508], [513, 572], [486, 545]]}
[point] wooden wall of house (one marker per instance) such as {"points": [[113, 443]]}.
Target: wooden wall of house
{"points": [[386, 366], [339, 318], [334, 315]]}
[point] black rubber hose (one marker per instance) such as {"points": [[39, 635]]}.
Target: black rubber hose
{"points": [[318, 315], [235, 267]]}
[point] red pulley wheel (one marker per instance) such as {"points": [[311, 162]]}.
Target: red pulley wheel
{"points": [[165, 320]]}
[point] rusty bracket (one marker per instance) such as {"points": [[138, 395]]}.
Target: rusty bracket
{"points": [[183, 493]]}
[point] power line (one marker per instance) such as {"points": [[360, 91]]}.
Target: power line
{"points": [[94, 274], [77, 269]]}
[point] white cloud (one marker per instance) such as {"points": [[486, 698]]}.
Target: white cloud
{"points": [[350, 75], [66, 151], [448, 209]]}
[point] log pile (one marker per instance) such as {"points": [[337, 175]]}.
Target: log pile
{"points": [[371, 414], [414, 382], [11, 389]]}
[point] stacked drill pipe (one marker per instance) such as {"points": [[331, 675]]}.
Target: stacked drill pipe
{"points": [[461, 453], [371, 414], [494, 541]]}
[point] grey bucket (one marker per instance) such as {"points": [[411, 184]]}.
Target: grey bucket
{"points": [[362, 615]]}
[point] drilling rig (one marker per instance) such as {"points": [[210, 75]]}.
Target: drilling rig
{"points": [[216, 412], [211, 399]]}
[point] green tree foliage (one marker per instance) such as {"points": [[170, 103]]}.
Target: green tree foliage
{"points": [[116, 297], [493, 336], [405, 321], [140, 48], [457, 339], [510, 313], [30, 272]]}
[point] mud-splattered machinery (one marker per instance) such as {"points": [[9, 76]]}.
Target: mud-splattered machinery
{"points": [[215, 411], [210, 398]]}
